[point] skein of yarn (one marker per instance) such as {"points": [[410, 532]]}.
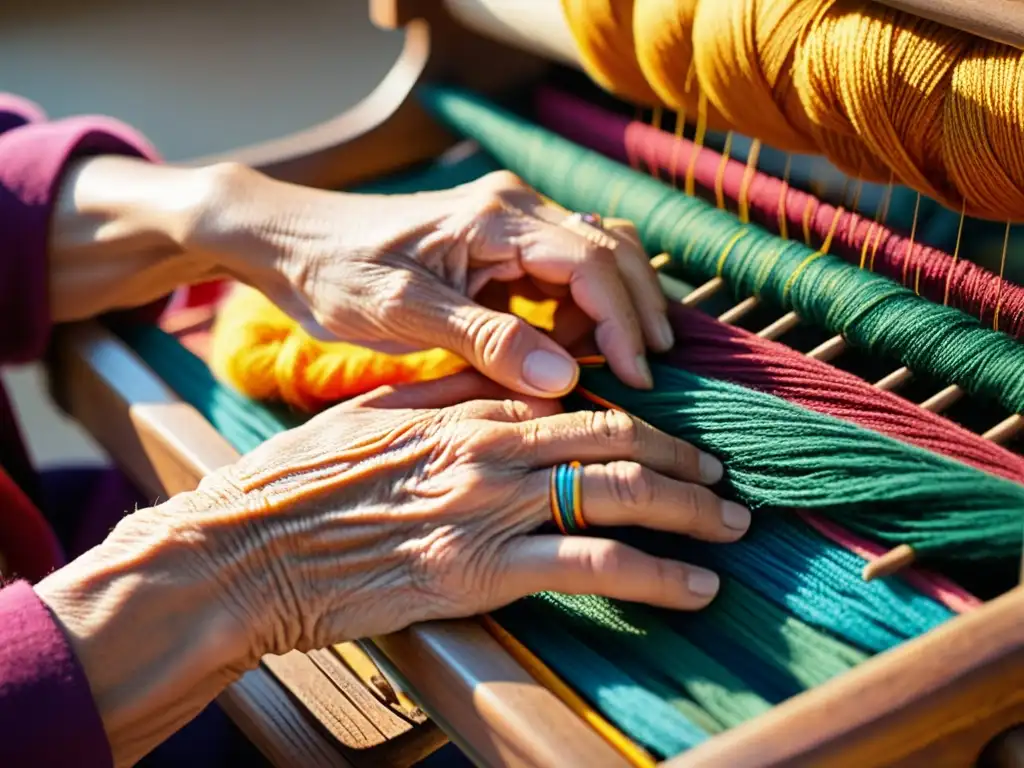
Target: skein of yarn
{"points": [[885, 95]]}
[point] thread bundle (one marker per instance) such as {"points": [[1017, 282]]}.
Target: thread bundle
{"points": [[791, 212], [885, 95], [868, 309]]}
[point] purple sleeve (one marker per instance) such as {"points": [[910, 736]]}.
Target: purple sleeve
{"points": [[47, 711], [33, 157]]}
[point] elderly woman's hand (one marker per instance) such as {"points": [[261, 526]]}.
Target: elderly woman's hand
{"points": [[372, 516], [435, 270]]}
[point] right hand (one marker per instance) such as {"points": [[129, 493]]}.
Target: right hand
{"points": [[375, 515]]}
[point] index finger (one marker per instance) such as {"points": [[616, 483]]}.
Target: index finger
{"points": [[555, 254]]}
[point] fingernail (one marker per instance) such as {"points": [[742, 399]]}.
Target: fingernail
{"points": [[645, 371], [711, 469], [735, 516], [548, 371], [701, 582], [663, 330]]}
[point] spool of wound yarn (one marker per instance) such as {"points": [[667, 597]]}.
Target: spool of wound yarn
{"points": [[779, 207], [885, 95], [603, 31], [662, 34]]}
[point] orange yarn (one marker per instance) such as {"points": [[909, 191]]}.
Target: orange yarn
{"points": [[265, 355], [603, 31]]}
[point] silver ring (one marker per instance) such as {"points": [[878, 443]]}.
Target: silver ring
{"points": [[592, 219]]}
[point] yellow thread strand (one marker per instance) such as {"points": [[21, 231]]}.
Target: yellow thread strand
{"points": [[956, 255], [728, 249], [864, 247], [698, 140], [999, 285], [784, 200], [748, 177], [680, 125], [798, 271], [547, 678], [881, 216], [910, 246], [720, 174], [806, 218], [832, 229]]}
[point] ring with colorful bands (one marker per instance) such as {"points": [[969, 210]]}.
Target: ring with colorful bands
{"points": [[567, 497], [592, 219]]}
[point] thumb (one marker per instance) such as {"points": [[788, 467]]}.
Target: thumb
{"points": [[508, 350]]}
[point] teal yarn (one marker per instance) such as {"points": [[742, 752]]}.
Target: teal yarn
{"points": [[781, 456], [871, 311]]}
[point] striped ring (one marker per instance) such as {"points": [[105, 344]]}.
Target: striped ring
{"points": [[567, 497]]}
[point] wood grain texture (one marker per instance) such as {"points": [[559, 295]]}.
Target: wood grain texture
{"points": [[463, 675], [999, 20]]}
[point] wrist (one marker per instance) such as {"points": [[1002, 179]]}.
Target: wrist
{"points": [[151, 628]]}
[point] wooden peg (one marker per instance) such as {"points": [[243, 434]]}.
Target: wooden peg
{"points": [[659, 261], [943, 399], [780, 327], [894, 380], [1005, 430], [740, 311], [706, 291], [893, 561], [828, 350]]}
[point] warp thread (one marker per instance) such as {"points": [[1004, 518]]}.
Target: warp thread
{"points": [[929, 271], [869, 310], [884, 94]]}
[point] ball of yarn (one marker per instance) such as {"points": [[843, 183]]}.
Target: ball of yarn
{"points": [[894, 73], [663, 39], [743, 52], [603, 31], [264, 354], [983, 130]]}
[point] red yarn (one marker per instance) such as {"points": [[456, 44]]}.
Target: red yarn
{"points": [[974, 290], [709, 347]]}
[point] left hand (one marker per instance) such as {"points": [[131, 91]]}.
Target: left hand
{"points": [[436, 269]]}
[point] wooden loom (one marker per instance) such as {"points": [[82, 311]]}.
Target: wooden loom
{"points": [[942, 699]]}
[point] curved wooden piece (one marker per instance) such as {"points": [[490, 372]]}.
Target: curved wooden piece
{"points": [[457, 670], [999, 20], [936, 701]]}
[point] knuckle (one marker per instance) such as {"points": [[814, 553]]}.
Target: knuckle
{"points": [[396, 291], [631, 484], [503, 180], [517, 410], [603, 558], [494, 336], [695, 502], [616, 429]]}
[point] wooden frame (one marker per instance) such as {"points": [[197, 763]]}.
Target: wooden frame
{"points": [[937, 700]]}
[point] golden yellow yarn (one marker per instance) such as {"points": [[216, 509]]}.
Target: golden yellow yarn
{"points": [[663, 36], [265, 355], [603, 31], [883, 94]]}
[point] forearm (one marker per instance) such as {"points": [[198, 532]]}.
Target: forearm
{"points": [[150, 630], [121, 234]]}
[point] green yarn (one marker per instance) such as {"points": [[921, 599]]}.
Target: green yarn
{"points": [[799, 459], [870, 310]]}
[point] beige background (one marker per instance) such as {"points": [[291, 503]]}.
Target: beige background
{"points": [[196, 76]]}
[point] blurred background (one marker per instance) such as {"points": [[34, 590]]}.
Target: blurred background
{"points": [[196, 77]]}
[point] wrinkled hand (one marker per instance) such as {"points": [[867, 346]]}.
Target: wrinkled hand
{"points": [[436, 269], [375, 515]]}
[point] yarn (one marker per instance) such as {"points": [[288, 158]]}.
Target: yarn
{"points": [[869, 310], [603, 31], [884, 94], [801, 460], [662, 31], [864, 242], [266, 355]]}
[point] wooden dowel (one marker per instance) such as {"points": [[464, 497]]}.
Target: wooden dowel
{"points": [[998, 20], [740, 311], [828, 350], [895, 380], [896, 559], [660, 261], [942, 399], [706, 291], [1006, 429], [780, 327]]}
